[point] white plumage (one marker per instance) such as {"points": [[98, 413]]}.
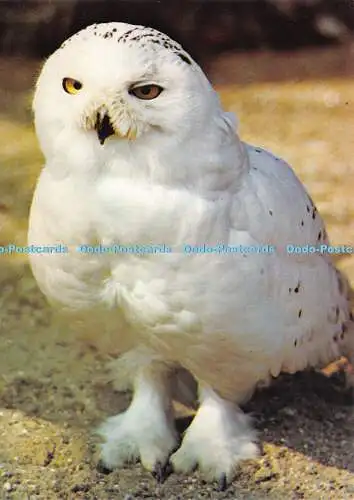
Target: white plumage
{"points": [[139, 151]]}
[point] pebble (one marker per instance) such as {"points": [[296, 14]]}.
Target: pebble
{"points": [[290, 412], [7, 486]]}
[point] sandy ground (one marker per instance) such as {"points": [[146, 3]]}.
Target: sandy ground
{"points": [[54, 389]]}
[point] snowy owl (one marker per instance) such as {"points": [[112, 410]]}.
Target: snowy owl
{"points": [[186, 247]]}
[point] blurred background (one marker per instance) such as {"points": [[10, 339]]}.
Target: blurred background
{"points": [[285, 67], [205, 27]]}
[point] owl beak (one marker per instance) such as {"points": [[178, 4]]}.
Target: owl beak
{"points": [[103, 127]]}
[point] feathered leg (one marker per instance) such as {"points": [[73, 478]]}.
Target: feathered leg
{"points": [[146, 429], [217, 440]]}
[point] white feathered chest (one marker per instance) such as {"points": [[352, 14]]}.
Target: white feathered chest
{"points": [[258, 303]]}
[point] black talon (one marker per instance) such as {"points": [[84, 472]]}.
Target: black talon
{"points": [[222, 484], [161, 472], [102, 469]]}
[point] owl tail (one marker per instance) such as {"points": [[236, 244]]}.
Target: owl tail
{"points": [[347, 349], [347, 336], [348, 341]]}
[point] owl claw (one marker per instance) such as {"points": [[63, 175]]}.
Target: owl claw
{"points": [[222, 483], [102, 469], [161, 472]]}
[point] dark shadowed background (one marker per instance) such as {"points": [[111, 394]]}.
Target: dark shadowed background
{"points": [[205, 27]]}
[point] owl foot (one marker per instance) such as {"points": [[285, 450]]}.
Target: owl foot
{"points": [[217, 440], [144, 431], [136, 435]]}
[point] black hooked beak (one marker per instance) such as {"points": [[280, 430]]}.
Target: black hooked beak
{"points": [[104, 127]]}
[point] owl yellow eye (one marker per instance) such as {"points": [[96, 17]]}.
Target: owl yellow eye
{"points": [[146, 92], [71, 86]]}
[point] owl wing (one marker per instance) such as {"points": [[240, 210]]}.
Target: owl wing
{"points": [[302, 298]]}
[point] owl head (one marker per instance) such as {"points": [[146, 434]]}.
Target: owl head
{"points": [[117, 83]]}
